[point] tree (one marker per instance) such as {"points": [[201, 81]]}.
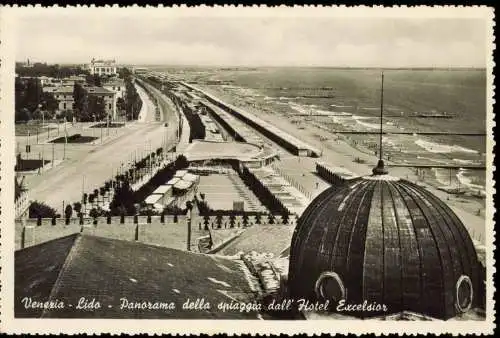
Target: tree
{"points": [[102, 192], [181, 162], [81, 103], [39, 209], [42, 69], [96, 107], [123, 199], [28, 93], [189, 206], [22, 115], [68, 211], [49, 102], [120, 104], [93, 80], [66, 114], [77, 206], [94, 213]]}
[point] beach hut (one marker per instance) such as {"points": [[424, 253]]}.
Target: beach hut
{"points": [[164, 190], [173, 181], [180, 173], [181, 187], [191, 178], [153, 199]]}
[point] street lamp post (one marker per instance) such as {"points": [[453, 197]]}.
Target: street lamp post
{"points": [[65, 139], [28, 153], [189, 207], [43, 155]]}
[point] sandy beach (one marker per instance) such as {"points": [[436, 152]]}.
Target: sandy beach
{"points": [[341, 151]]}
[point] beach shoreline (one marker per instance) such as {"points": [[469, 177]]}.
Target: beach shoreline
{"points": [[343, 151]]}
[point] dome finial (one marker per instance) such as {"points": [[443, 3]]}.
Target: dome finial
{"points": [[380, 168]]}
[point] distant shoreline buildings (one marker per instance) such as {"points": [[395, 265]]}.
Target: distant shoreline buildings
{"points": [[102, 67], [112, 88]]}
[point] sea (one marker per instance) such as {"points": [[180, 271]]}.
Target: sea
{"points": [[350, 100]]}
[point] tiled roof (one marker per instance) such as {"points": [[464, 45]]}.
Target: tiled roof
{"points": [[108, 270], [114, 82], [273, 239], [99, 90], [63, 90]]}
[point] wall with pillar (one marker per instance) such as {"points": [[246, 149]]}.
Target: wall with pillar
{"points": [[171, 232]]}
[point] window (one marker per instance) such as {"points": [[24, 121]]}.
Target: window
{"points": [[463, 294], [109, 106], [329, 286], [64, 105]]}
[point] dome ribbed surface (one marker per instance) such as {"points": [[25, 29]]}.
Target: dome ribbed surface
{"points": [[390, 242]]}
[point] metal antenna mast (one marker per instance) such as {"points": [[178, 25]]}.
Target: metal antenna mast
{"points": [[380, 168], [381, 116]]}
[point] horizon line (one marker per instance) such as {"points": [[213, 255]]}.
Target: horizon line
{"points": [[267, 66]]}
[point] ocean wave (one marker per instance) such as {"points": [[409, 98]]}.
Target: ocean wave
{"points": [[467, 181], [365, 124], [332, 113], [340, 106], [431, 159], [433, 147], [458, 160], [344, 120], [299, 108]]}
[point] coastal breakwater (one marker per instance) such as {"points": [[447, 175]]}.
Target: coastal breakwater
{"points": [[285, 140]]}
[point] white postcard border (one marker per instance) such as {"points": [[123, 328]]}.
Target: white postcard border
{"points": [[12, 325]]}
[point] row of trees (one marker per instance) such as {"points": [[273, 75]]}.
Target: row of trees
{"points": [[125, 199], [31, 100], [55, 71], [197, 128], [132, 103]]}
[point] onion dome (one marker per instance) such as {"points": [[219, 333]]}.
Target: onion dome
{"points": [[387, 241]]}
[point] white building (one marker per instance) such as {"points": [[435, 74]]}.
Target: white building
{"points": [[102, 67], [117, 86]]}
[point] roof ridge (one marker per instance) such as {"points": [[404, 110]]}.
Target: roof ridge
{"points": [[67, 262]]}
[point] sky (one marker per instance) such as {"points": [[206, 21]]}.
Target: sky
{"points": [[241, 40]]}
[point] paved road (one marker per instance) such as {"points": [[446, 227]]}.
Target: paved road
{"points": [[87, 169]]}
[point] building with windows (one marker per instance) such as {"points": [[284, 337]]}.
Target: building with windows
{"points": [[108, 97], [64, 96], [102, 67], [116, 86]]}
